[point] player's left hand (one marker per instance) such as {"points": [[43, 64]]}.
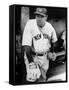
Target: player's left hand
{"points": [[52, 56]]}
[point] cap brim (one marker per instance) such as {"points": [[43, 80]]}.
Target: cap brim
{"points": [[38, 13]]}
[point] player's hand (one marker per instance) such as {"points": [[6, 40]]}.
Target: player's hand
{"points": [[49, 55], [52, 56]]}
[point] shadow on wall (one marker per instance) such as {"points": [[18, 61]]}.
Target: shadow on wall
{"points": [[59, 25]]}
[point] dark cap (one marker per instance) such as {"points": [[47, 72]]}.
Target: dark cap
{"points": [[41, 11]]}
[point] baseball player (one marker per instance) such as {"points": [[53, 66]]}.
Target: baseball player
{"points": [[37, 37]]}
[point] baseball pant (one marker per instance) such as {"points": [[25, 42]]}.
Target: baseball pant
{"points": [[42, 61]]}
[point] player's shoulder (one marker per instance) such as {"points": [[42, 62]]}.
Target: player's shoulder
{"points": [[30, 21], [48, 24]]}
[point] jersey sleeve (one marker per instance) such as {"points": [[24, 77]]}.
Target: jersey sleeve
{"points": [[54, 36], [27, 36], [63, 35]]}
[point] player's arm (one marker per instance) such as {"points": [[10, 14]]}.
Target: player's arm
{"points": [[27, 49], [53, 39], [52, 54], [27, 42]]}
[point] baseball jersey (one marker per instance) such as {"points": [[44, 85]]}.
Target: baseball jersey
{"points": [[41, 37]]}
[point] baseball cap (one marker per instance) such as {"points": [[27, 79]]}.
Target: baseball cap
{"points": [[41, 11]]}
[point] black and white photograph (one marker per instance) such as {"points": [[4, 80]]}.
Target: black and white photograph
{"points": [[37, 44]]}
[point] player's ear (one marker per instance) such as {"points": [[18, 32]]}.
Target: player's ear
{"points": [[46, 17]]}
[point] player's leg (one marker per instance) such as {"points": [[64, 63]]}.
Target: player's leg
{"points": [[43, 65], [44, 68], [43, 73]]}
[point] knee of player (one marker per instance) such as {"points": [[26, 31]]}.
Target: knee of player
{"points": [[45, 68]]}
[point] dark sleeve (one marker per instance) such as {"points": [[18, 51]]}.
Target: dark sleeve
{"points": [[28, 51], [57, 46], [53, 46]]}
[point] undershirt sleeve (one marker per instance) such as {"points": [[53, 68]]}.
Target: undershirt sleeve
{"points": [[27, 36]]}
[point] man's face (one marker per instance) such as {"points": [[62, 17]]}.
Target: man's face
{"points": [[41, 20]]}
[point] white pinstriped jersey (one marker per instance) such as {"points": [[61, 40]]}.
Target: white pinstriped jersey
{"points": [[41, 37]]}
